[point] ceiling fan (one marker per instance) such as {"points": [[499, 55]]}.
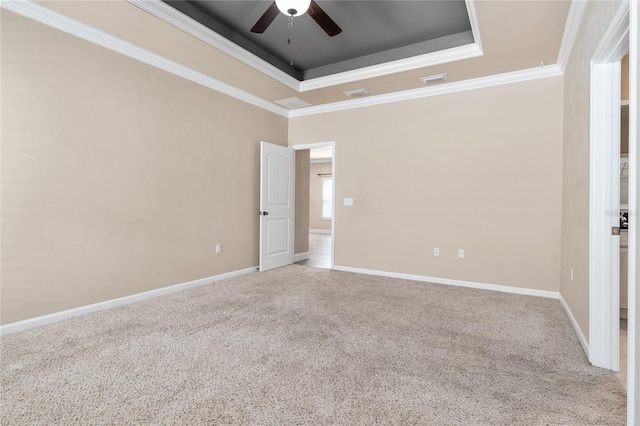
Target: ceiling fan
{"points": [[296, 8]]}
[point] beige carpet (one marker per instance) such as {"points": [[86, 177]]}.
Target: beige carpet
{"points": [[300, 345]]}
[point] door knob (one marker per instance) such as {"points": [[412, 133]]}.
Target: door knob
{"points": [[263, 213]]}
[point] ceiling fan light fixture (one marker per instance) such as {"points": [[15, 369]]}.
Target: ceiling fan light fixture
{"points": [[293, 7]]}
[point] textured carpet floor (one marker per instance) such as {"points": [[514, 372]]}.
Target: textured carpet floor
{"points": [[300, 345]]}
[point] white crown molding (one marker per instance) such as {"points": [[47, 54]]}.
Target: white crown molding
{"points": [[320, 160], [423, 92], [473, 20], [456, 283], [176, 18], [576, 327], [571, 29], [615, 41], [427, 60], [108, 304], [39, 13]]}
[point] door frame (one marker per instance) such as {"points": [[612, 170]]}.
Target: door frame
{"points": [[633, 381], [604, 301], [604, 199], [332, 144]]}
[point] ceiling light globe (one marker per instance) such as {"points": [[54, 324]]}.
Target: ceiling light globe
{"points": [[288, 6]]}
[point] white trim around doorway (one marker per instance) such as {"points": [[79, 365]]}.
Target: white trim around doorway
{"points": [[605, 127], [604, 200]]}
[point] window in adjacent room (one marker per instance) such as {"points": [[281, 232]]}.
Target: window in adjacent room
{"points": [[327, 198]]}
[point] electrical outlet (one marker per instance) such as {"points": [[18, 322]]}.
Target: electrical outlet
{"points": [[436, 251], [461, 253], [218, 248]]}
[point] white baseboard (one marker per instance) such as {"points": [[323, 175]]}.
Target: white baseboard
{"points": [[576, 327], [457, 283], [70, 313], [320, 231], [482, 286], [298, 257]]}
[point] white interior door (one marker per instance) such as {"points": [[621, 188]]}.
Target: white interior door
{"points": [[277, 205]]}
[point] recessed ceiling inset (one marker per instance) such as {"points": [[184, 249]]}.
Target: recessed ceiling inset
{"points": [[373, 32]]}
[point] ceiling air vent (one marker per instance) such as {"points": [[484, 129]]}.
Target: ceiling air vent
{"points": [[434, 78], [356, 93], [293, 103]]}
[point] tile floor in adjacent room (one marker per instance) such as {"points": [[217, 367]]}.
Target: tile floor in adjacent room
{"points": [[319, 251]]}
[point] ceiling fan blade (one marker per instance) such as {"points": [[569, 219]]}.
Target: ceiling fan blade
{"points": [[325, 22], [266, 19]]}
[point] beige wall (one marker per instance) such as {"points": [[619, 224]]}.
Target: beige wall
{"points": [[315, 197], [575, 181], [117, 177], [302, 201], [479, 170]]}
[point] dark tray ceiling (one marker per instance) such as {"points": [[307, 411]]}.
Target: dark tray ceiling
{"points": [[374, 32]]}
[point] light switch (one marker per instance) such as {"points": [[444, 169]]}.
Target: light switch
{"points": [[348, 201]]}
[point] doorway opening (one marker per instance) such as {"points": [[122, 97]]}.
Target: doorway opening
{"points": [[606, 276], [315, 204]]}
